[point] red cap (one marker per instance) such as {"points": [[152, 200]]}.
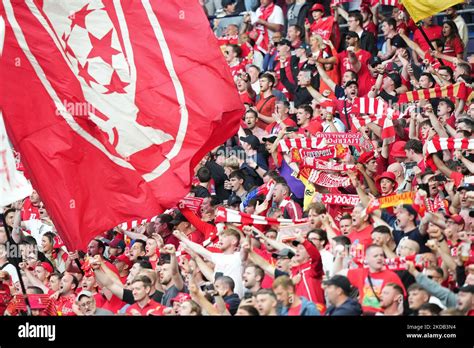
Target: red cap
{"points": [[398, 149], [47, 266], [317, 7], [181, 297], [124, 259], [366, 157], [387, 175], [456, 218]]}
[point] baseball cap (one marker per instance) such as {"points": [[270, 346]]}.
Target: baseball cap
{"points": [[47, 266], [180, 297], [317, 7], [178, 218], [374, 61], [466, 186], [351, 82], [252, 140], [124, 259], [366, 157], [456, 218], [467, 288], [341, 282], [117, 243], [283, 253], [84, 293]]}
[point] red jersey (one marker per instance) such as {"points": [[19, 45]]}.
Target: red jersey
{"points": [[453, 47], [359, 278], [29, 211], [363, 236], [433, 32], [237, 69], [151, 306], [344, 64], [64, 305], [266, 107], [311, 275]]}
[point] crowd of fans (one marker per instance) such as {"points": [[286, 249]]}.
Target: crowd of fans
{"points": [[301, 69]]}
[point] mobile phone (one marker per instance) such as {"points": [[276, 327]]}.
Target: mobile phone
{"points": [[410, 165], [440, 178]]}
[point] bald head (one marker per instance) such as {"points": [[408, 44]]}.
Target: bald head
{"points": [[397, 169]]}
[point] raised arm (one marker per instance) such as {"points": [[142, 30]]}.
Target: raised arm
{"points": [[197, 248], [325, 77], [175, 274]]}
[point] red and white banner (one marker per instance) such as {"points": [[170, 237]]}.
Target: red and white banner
{"points": [[13, 184], [340, 138], [385, 2], [328, 180], [299, 143], [323, 27], [193, 203], [317, 164], [440, 144], [124, 99], [376, 111], [234, 216], [339, 199]]}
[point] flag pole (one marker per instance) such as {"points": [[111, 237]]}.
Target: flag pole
{"points": [[420, 26]]}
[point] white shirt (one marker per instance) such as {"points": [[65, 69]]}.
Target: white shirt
{"points": [[231, 266], [275, 18], [337, 123], [37, 229], [463, 32]]}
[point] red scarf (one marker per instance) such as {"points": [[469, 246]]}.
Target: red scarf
{"points": [[262, 41]]}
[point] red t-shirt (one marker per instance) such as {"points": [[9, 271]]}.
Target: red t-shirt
{"points": [[453, 47], [359, 278], [363, 236], [151, 306], [29, 211], [64, 305], [266, 107], [433, 32]]}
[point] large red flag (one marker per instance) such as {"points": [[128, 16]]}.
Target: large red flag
{"points": [[111, 104]]}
